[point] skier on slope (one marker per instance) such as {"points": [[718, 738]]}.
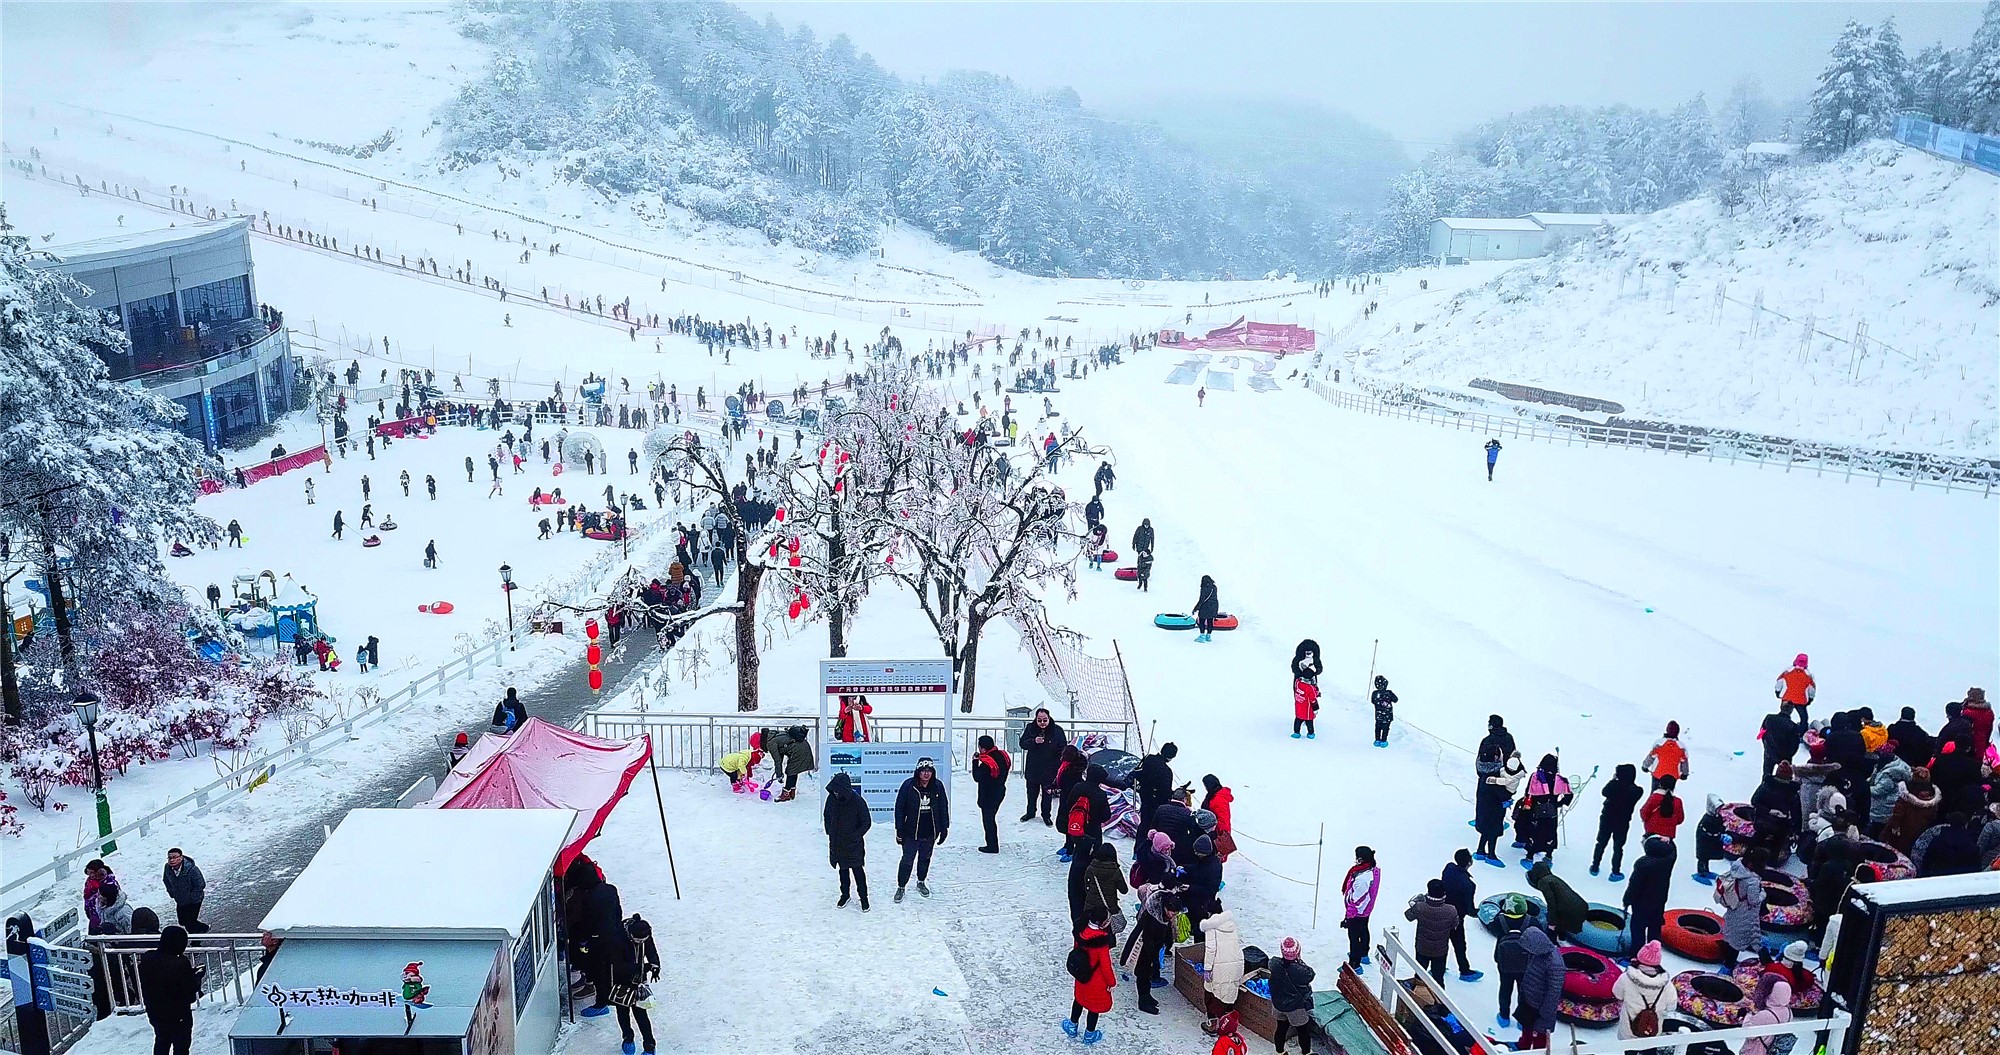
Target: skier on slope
{"points": [[1305, 688], [1492, 456]]}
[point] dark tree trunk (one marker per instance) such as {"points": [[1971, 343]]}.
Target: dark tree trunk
{"points": [[10, 684], [968, 662], [836, 565], [748, 578], [59, 607]]}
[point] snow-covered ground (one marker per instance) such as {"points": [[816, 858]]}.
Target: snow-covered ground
{"points": [[1588, 595], [1887, 243]]}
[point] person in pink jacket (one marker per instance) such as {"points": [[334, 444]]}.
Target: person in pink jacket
{"points": [[1357, 892]]}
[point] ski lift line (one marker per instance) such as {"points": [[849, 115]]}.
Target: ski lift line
{"points": [[600, 238]]}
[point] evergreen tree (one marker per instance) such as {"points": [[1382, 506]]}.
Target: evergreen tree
{"points": [[1979, 106], [1895, 67], [1936, 84], [95, 471], [1854, 100]]}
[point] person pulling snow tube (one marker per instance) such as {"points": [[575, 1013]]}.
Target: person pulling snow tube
{"points": [[1716, 999], [1588, 975], [1604, 930], [1126, 574], [1787, 900], [1490, 910], [1805, 999], [1885, 861], [1694, 933]]}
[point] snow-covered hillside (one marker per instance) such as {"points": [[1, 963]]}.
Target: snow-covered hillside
{"points": [[1663, 315]]}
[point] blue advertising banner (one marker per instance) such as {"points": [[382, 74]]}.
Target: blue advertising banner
{"points": [[1979, 151]]}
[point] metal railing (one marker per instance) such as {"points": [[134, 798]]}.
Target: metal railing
{"points": [[1945, 472], [239, 780], [698, 741], [228, 964]]}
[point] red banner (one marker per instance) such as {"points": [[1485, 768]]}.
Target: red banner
{"points": [[265, 470], [401, 427]]}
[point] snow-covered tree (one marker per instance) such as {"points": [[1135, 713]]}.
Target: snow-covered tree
{"points": [[1894, 64], [1855, 99], [1693, 153], [1979, 105], [95, 471], [988, 529], [704, 468], [1937, 84], [1746, 114]]}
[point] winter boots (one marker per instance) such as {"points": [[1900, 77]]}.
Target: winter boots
{"points": [[788, 795], [1201, 637], [923, 888]]}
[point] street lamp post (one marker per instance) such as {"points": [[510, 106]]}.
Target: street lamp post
{"points": [[507, 587], [87, 706]]}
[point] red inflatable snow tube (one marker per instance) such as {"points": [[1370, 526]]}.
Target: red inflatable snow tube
{"points": [[1590, 974], [1225, 621], [1694, 933], [1127, 574], [1109, 556]]}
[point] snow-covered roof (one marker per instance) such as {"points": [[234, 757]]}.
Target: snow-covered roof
{"points": [[452, 873], [1463, 223], [1577, 219], [292, 595], [1936, 888], [160, 239]]}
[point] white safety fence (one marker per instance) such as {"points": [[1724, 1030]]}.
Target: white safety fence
{"points": [[698, 741], [1966, 475]]}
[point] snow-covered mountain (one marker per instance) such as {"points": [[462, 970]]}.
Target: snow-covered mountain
{"points": [[1699, 314]]}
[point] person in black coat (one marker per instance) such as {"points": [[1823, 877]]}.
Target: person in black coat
{"points": [[1781, 734], [1093, 511], [990, 767], [847, 821], [510, 714], [1204, 882], [1206, 607], [1913, 744], [1846, 749], [1489, 803], [597, 929], [640, 964], [1085, 809], [1042, 743], [923, 816], [1176, 819], [1155, 781], [1646, 889], [1496, 736], [1463, 894], [169, 986], [1142, 538], [1621, 797]]}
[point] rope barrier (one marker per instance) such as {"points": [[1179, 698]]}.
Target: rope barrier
{"points": [[1252, 862], [1241, 834]]}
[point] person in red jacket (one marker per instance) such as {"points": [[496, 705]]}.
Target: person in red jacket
{"points": [[854, 712], [1796, 686], [1092, 993], [1218, 801], [1663, 812]]}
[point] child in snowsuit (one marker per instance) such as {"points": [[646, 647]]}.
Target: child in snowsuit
{"points": [[1492, 455], [1091, 995], [1305, 687], [1709, 840], [1385, 710], [739, 767], [1621, 796]]}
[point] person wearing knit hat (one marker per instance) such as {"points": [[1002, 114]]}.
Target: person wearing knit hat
{"points": [[1644, 994], [1292, 995], [1796, 686], [923, 817], [1435, 917]]}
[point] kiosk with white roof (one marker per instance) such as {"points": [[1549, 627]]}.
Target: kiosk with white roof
{"points": [[465, 897]]}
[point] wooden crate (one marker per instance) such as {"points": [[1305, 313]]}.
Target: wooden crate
{"points": [[1255, 1012]]}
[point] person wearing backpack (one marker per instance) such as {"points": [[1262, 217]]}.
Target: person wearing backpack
{"points": [[1085, 809], [1644, 994], [989, 772], [1773, 1006], [1509, 958], [1089, 965]]}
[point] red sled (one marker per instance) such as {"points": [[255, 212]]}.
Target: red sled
{"points": [[436, 608], [1127, 574]]}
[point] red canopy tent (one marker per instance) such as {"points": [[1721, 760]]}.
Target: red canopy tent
{"points": [[544, 766]]}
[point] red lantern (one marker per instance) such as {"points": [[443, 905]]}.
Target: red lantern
{"points": [[793, 544], [779, 514], [593, 655], [774, 551], [795, 609], [795, 560], [590, 629], [597, 681], [805, 602]]}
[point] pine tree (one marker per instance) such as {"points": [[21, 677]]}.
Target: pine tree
{"points": [[1746, 114], [1936, 84], [95, 471], [1895, 67], [1980, 63], [1854, 99]]}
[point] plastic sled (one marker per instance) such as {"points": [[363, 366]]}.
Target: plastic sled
{"points": [[1225, 621], [1173, 620], [371, 541], [1127, 574], [1109, 556], [437, 608]]}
